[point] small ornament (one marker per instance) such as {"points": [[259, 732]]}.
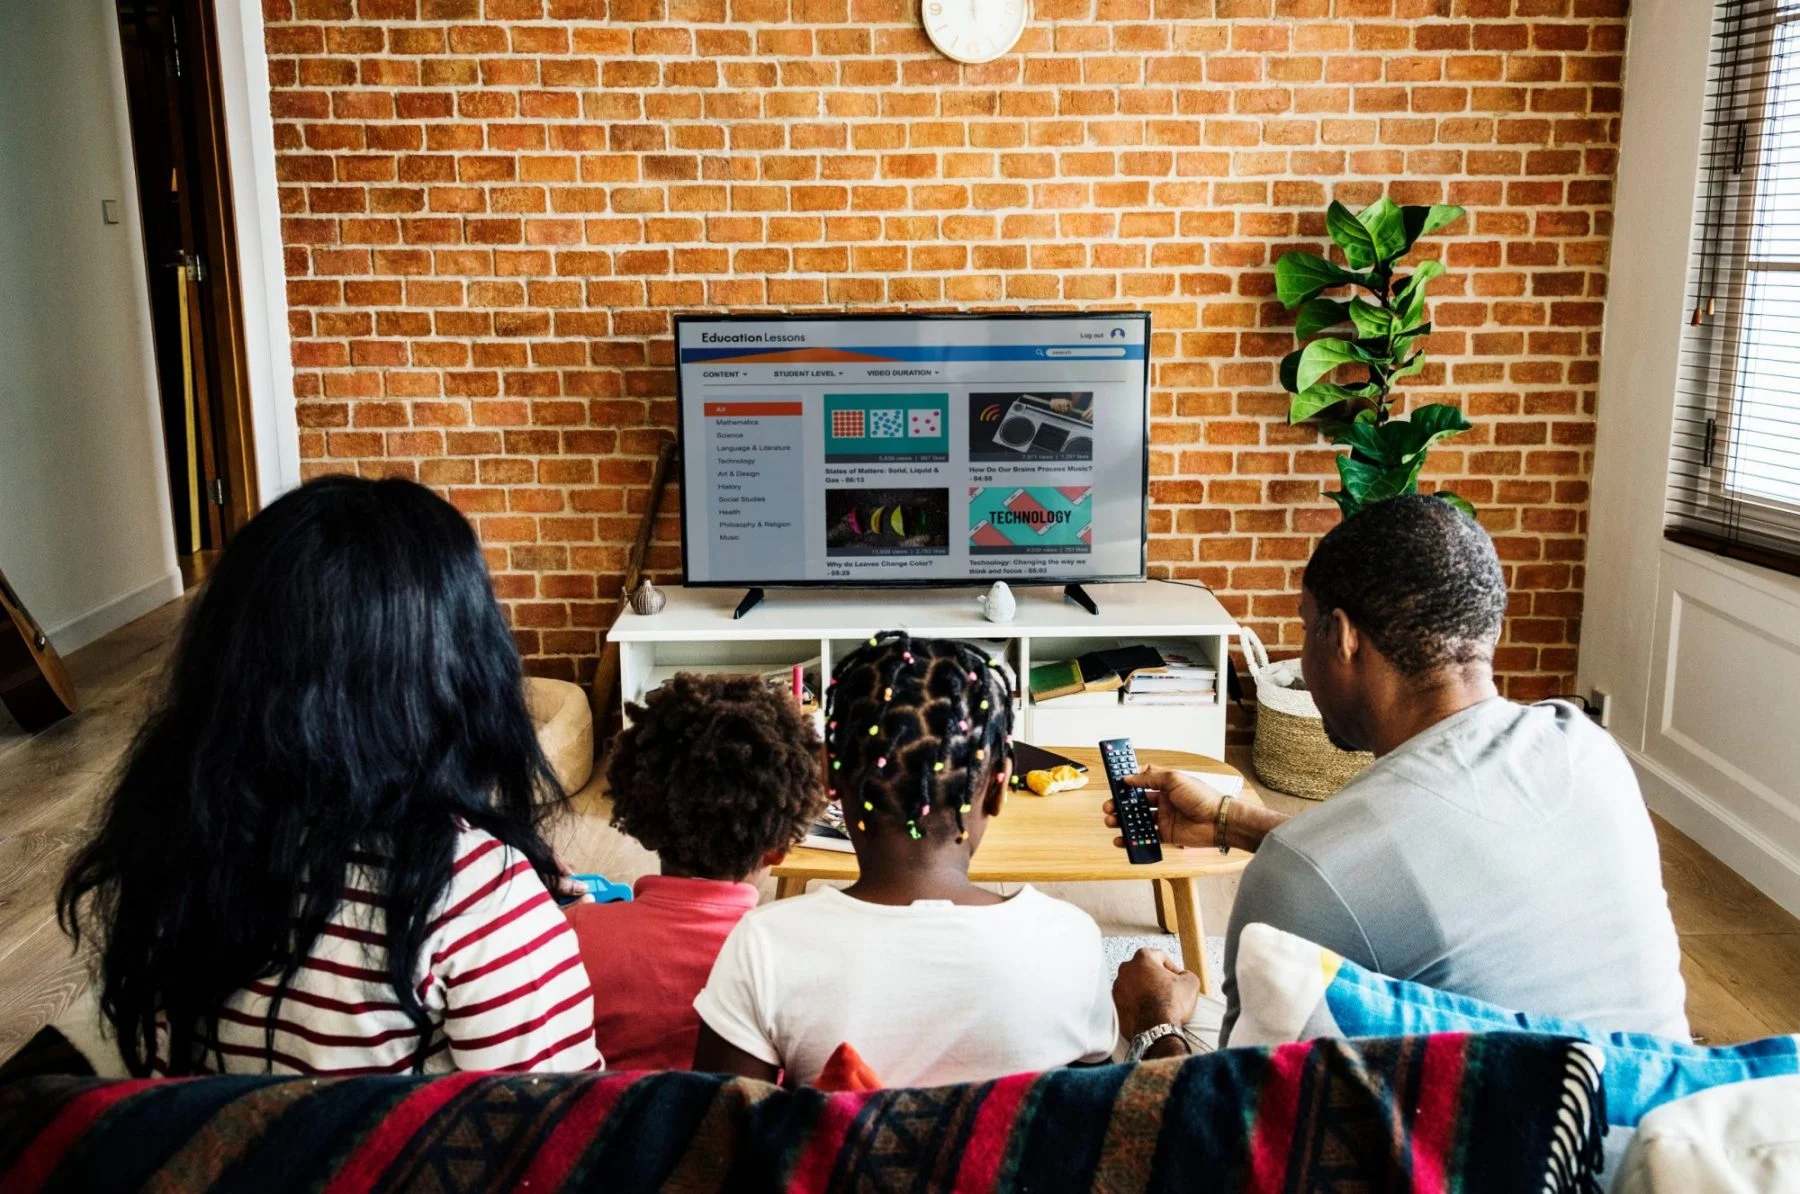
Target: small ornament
{"points": [[874, 642], [925, 810], [980, 755], [832, 726], [647, 599], [874, 730], [913, 830], [973, 677], [837, 764], [963, 725], [965, 808], [984, 704], [998, 604], [937, 766], [907, 656], [881, 762], [962, 837], [869, 805], [887, 694], [862, 826]]}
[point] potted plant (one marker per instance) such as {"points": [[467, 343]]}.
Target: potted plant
{"points": [[1381, 333]]}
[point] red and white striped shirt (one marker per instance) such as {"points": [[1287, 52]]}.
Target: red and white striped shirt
{"points": [[500, 977]]}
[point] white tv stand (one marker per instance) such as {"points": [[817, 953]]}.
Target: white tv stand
{"points": [[696, 632]]}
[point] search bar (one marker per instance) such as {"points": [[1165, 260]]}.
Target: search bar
{"points": [[1084, 352]]}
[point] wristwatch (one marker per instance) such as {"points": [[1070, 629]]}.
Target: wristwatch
{"points": [[1140, 1044]]}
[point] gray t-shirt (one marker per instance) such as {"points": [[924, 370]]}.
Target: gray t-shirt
{"points": [[1504, 854]]}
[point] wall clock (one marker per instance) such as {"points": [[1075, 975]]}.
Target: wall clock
{"points": [[974, 30]]}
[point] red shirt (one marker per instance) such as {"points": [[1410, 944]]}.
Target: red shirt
{"points": [[648, 957]]}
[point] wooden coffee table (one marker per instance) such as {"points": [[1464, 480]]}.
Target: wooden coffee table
{"points": [[1064, 839]]}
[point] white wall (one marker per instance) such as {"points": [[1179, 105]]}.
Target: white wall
{"points": [[1700, 654], [85, 534]]}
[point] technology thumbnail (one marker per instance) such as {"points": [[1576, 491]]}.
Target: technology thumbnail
{"points": [[887, 522], [1034, 520], [878, 428], [1022, 427]]}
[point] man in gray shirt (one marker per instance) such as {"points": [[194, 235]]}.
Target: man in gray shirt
{"points": [[1493, 850]]}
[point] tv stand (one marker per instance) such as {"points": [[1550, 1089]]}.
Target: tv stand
{"points": [[1080, 597], [699, 630], [752, 599]]}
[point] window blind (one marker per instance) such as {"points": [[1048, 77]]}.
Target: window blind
{"points": [[1734, 476]]}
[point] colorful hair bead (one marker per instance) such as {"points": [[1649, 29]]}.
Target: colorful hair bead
{"points": [[875, 729], [837, 764], [881, 762], [937, 766], [965, 808], [925, 810], [874, 642], [869, 804], [906, 655], [912, 830], [973, 677], [980, 755], [887, 694], [984, 703], [962, 837], [832, 725], [862, 825]]}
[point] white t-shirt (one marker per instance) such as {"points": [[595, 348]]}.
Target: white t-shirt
{"points": [[928, 994]]}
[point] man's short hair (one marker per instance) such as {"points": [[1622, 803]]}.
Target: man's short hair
{"points": [[1417, 576]]}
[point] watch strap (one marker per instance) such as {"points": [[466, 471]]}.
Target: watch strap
{"points": [[1140, 1044]]}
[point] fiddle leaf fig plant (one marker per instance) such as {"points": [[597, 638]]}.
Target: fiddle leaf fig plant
{"points": [[1378, 330]]}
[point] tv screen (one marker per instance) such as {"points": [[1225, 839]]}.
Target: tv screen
{"points": [[865, 450]]}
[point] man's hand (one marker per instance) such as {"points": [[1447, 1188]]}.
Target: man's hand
{"points": [[1187, 811], [1150, 990]]}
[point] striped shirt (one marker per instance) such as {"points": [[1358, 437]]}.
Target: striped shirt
{"points": [[499, 976]]}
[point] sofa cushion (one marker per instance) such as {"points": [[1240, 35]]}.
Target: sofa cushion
{"points": [[1290, 989]]}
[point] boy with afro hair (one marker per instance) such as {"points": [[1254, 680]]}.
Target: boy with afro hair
{"points": [[719, 775]]}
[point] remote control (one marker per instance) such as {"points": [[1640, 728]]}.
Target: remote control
{"points": [[1137, 821]]}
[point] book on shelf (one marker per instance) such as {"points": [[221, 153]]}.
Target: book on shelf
{"points": [[1095, 671], [1206, 697], [1103, 698]]}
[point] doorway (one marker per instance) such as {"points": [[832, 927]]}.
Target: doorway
{"points": [[184, 194]]}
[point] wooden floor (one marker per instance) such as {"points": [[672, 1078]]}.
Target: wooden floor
{"points": [[1740, 952]]}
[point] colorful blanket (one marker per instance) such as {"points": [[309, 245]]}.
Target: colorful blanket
{"points": [[1471, 1114]]}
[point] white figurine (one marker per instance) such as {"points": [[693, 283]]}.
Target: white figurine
{"points": [[998, 604]]}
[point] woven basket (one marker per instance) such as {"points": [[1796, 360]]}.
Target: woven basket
{"points": [[1291, 752]]}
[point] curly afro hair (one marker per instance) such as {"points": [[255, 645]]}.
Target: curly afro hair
{"points": [[714, 772], [1417, 576]]}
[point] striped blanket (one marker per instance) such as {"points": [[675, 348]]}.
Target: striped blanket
{"points": [[1504, 1112]]}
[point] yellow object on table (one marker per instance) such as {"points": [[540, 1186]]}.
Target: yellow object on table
{"points": [[1060, 778]]}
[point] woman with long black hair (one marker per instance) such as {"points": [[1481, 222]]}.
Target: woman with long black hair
{"points": [[322, 854]]}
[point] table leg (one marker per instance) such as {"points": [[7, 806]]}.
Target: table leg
{"points": [[789, 885], [1159, 889], [1192, 931]]}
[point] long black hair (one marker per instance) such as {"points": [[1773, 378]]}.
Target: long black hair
{"points": [[344, 687], [914, 729]]}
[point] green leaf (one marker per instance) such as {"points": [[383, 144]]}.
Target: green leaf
{"points": [[1423, 221], [1413, 364], [1406, 440], [1459, 502], [1387, 230], [1402, 339], [1300, 276], [1348, 504], [1409, 300], [1318, 314], [1370, 483], [1319, 358], [1315, 398], [1368, 443], [1289, 371], [1372, 323], [1350, 235]]}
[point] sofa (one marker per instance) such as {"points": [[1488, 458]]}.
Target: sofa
{"points": [[1474, 1113]]}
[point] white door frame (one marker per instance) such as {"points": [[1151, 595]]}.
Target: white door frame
{"points": [[250, 144]]}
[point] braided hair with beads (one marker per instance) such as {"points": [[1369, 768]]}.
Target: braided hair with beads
{"points": [[913, 727]]}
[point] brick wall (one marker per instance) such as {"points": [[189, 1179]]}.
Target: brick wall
{"points": [[493, 206]]}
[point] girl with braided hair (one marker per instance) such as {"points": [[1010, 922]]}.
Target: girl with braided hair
{"points": [[930, 978]]}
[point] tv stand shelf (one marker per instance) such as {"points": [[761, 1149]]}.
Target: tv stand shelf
{"points": [[696, 631]]}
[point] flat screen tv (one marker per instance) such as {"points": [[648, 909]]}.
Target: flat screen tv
{"points": [[873, 450]]}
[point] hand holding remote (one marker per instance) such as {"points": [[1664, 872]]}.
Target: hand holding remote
{"points": [[1187, 811]]}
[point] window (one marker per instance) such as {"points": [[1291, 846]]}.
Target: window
{"points": [[1734, 483]]}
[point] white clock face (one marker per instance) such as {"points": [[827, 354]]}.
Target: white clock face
{"points": [[974, 30]]}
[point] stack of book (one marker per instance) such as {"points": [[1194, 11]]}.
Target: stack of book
{"points": [[1182, 680]]}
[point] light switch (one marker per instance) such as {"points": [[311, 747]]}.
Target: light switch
{"points": [[109, 210]]}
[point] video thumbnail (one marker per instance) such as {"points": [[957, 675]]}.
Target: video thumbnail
{"points": [[887, 522], [873, 428], [1035, 520], [1022, 427]]}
